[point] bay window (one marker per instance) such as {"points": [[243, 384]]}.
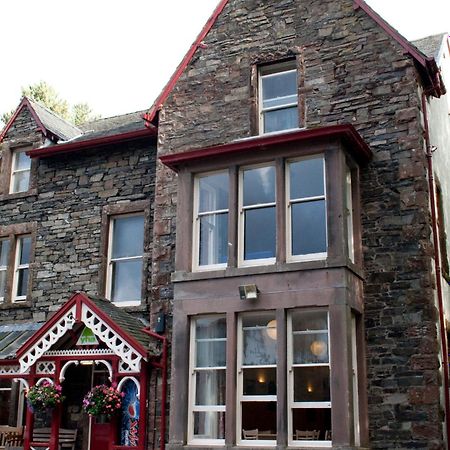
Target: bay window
{"points": [[257, 215], [207, 383], [211, 220]]}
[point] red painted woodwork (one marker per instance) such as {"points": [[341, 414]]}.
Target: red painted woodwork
{"points": [[100, 435]]}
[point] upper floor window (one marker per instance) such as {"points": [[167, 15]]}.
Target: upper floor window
{"points": [[307, 224], [257, 215], [4, 256], [211, 220], [20, 172], [21, 268], [278, 98], [125, 259]]}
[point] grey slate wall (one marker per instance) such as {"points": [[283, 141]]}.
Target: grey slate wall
{"points": [[350, 72]]}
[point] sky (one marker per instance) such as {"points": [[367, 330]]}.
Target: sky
{"points": [[117, 55]]}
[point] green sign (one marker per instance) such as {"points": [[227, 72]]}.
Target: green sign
{"points": [[87, 337]]}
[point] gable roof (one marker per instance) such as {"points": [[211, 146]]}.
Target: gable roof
{"points": [[431, 45], [427, 65], [50, 124]]}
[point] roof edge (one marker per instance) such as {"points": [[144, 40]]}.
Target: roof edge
{"points": [[347, 132], [157, 104], [71, 147]]}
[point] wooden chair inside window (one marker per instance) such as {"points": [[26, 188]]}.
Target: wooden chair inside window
{"points": [[328, 435], [250, 434], [307, 435]]}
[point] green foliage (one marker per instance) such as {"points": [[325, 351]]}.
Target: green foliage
{"points": [[47, 96]]}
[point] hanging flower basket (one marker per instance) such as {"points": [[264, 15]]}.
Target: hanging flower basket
{"points": [[102, 400], [44, 396]]}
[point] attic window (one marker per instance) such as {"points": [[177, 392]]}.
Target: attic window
{"points": [[20, 171]]}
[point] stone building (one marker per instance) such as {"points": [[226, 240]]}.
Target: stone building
{"points": [[286, 201]]}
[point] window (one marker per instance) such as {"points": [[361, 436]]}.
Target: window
{"points": [[349, 213], [257, 215], [4, 256], [309, 378], [211, 220], [257, 381], [208, 383], [21, 268], [5, 401], [278, 97], [20, 172], [125, 259], [307, 233]]}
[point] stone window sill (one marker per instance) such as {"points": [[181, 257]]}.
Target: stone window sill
{"points": [[18, 195], [16, 305]]}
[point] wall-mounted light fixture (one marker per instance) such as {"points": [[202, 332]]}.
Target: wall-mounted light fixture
{"points": [[248, 292]]}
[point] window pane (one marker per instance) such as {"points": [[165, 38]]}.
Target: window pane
{"points": [[213, 239], [22, 161], [283, 84], [213, 192], [5, 401], [309, 228], [210, 387], [306, 178], [21, 181], [312, 384], [4, 250], [209, 425], [281, 119], [259, 186], [128, 236], [261, 417], [311, 348], [25, 249], [211, 327], [309, 320], [309, 419], [211, 354], [2, 283], [126, 280], [259, 233], [260, 381], [259, 340], [22, 283]]}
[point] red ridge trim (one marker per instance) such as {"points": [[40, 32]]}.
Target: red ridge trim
{"points": [[70, 147], [184, 62], [347, 132], [24, 103]]}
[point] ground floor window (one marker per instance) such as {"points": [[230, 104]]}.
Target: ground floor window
{"points": [[11, 403]]}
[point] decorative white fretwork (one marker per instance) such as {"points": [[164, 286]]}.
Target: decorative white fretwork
{"points": [[45, 368], [81, 352], [41, 380], [10, 370], [111, 339], [51, 337], [64, 369], [125, 368], [108, 366], [23, 382], [134, 380]]}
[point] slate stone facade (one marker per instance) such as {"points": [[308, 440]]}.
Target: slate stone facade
{"points": [[351, 71]]}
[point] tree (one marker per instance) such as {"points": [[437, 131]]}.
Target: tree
{"points": [[46, 95]]}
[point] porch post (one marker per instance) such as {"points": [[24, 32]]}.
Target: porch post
{"points": [[56, 414], [113, 427], [29, 418], [143, 405]]}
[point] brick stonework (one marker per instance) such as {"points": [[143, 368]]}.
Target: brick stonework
{"points": [[350, 72]]}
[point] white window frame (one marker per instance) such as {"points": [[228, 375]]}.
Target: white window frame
{"points": [[4, 269], [356, 425], [18, 267], [15, 171], [289, 202], [196, 267], [290, 382], [241, 398], [241, 217], [273, 70], [110, 260], [192, 386]]}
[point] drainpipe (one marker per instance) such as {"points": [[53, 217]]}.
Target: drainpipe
{"points": [[163, 367], [437, 262]]}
